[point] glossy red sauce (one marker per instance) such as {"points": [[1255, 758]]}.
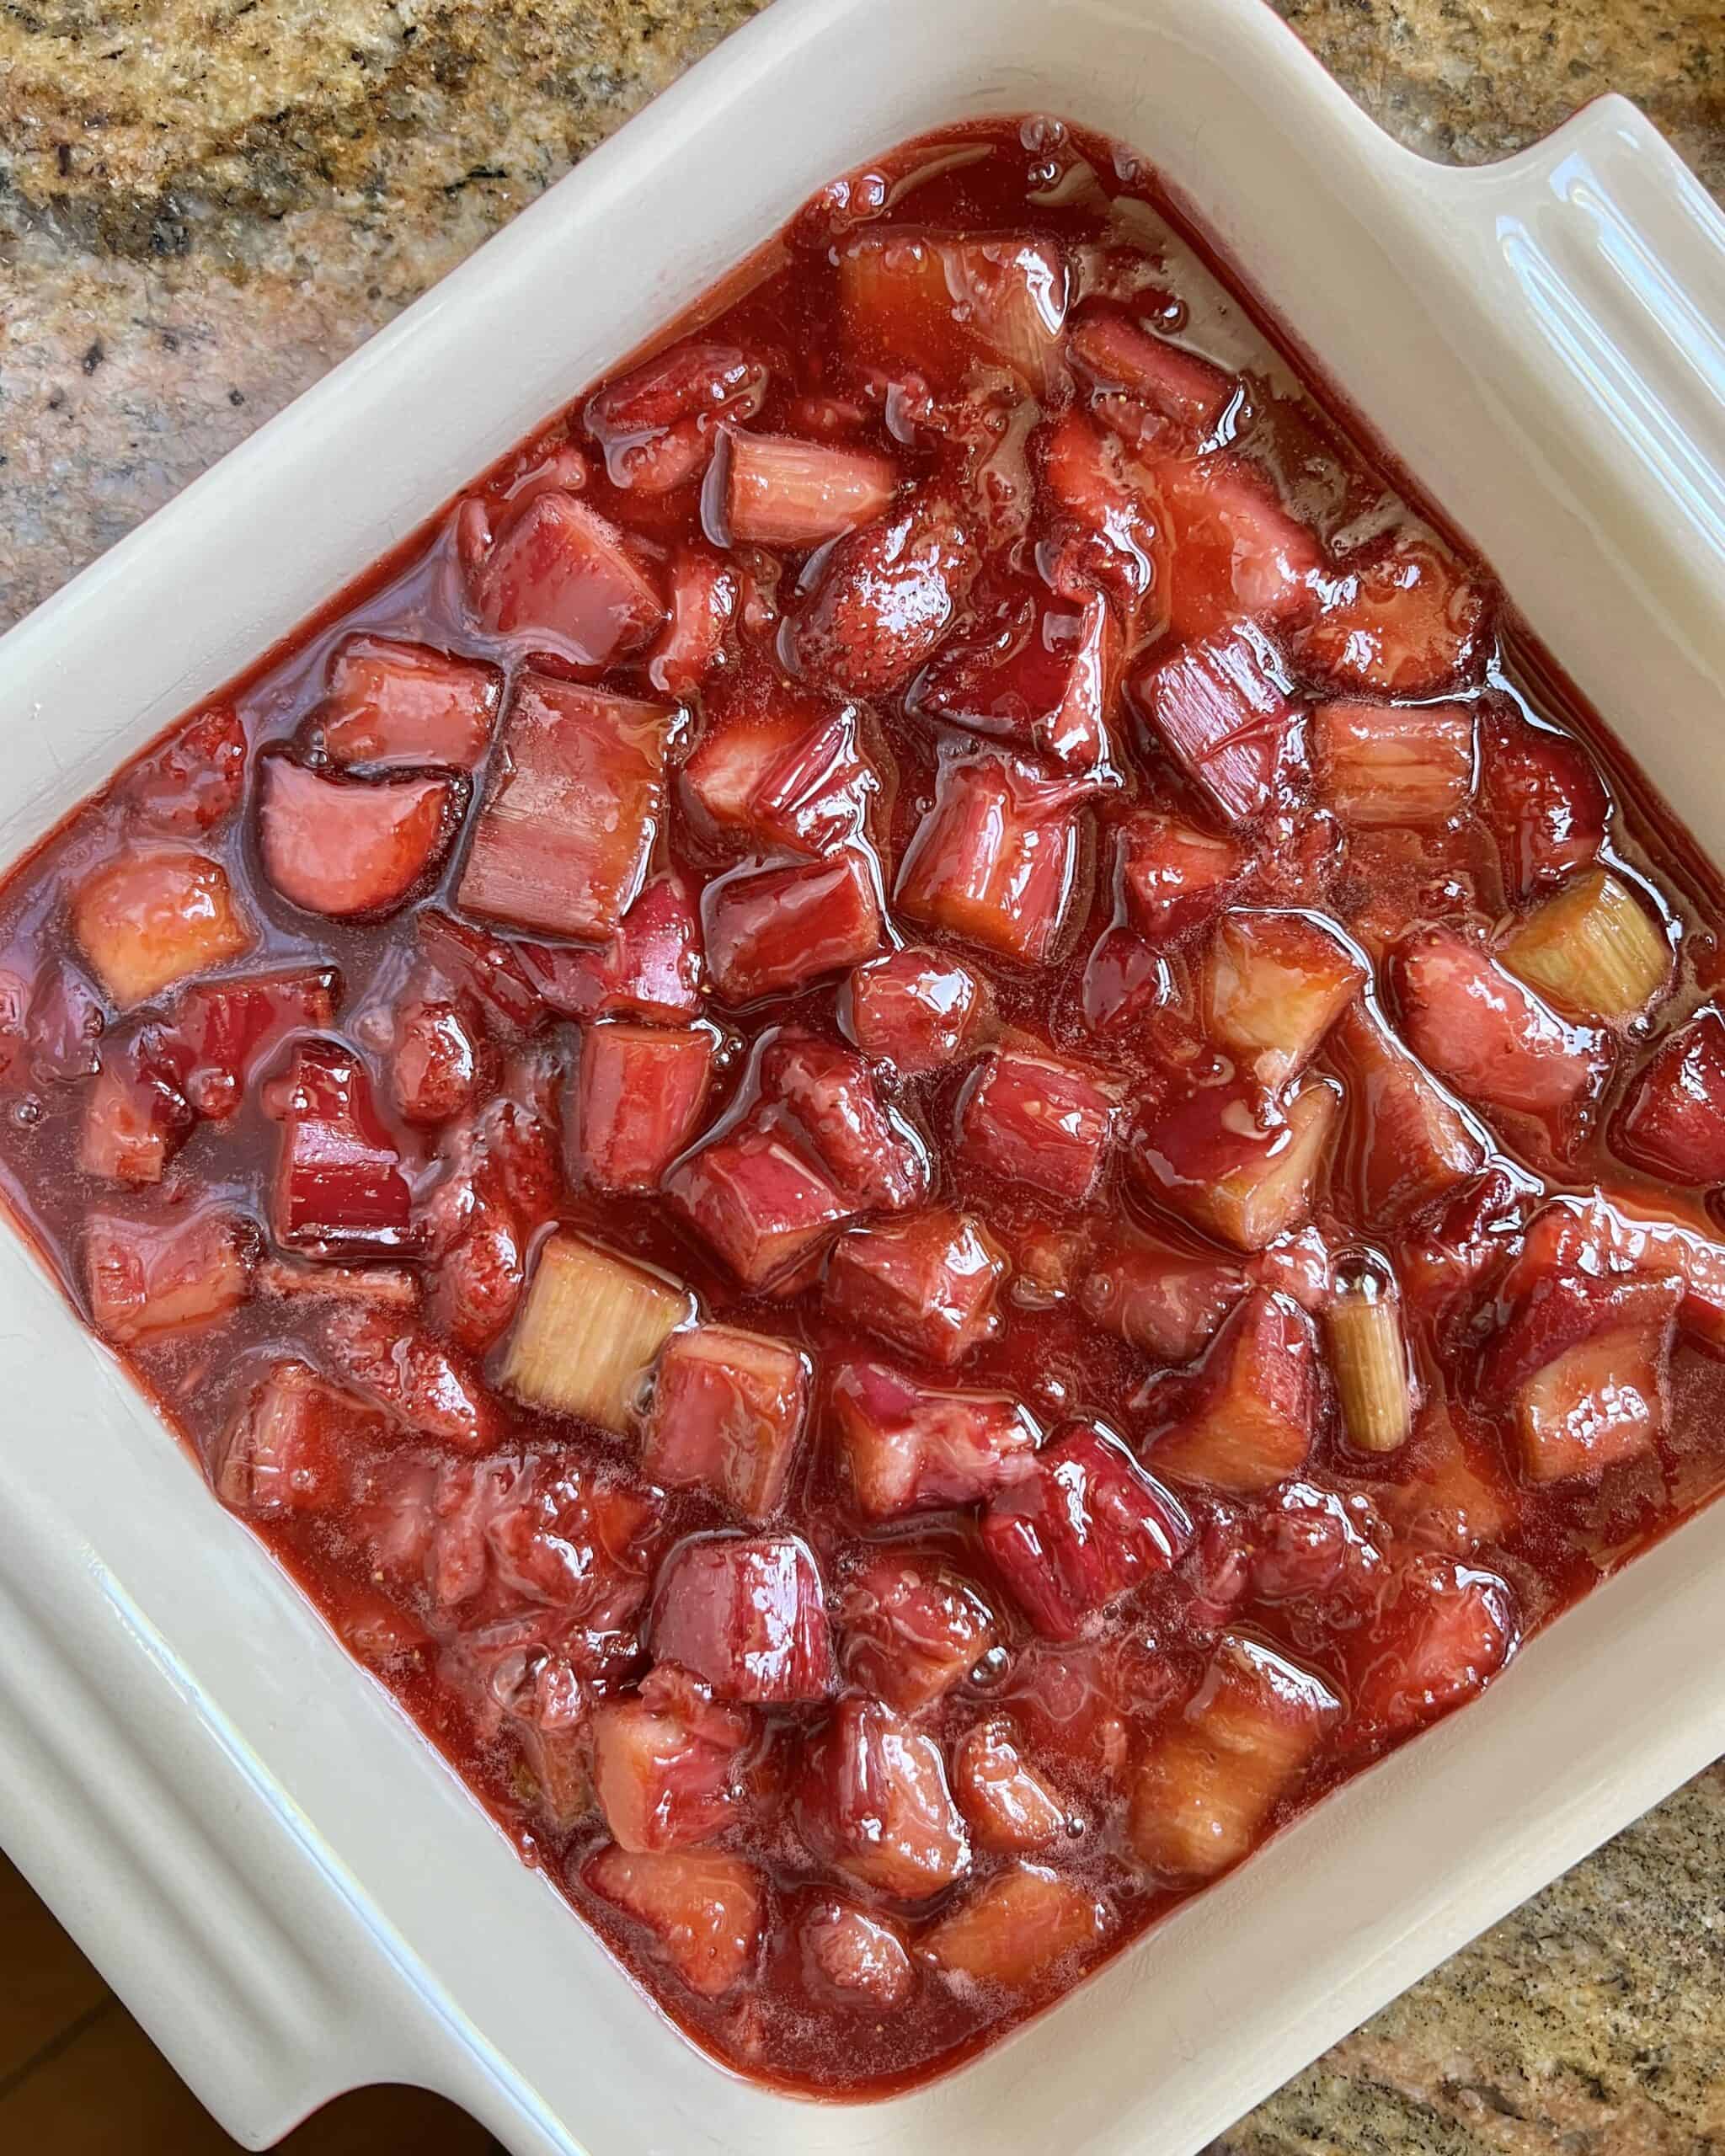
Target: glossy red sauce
{"points": [[1221, 1259]]}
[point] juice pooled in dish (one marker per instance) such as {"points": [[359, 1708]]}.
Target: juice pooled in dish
{"points": [[910, 1123]]}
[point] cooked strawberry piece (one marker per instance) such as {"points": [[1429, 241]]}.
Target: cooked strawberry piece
{"points": [[1017, 1928], [910, 1446], [702, 1912], [426, 1386], [650, 969], [639, 1092], [1389, 763], [146, 1279], [562, 842], [1231, 548], [480, 1277], [852, 1958], [886, 596], [1467, 1234], [872, 1154], [1543, 799], [1117, 354], [1405, 1142], [155, 915], [194, 781], [1038, 1120], [223, 1034], [62, 1025], [1234, 1160], [705, 590], [135, 1119], [1166, 1303], [873, 1800], [1272, 986], [1441, 1632], [1489, 1034], [1585, 1361], [481, 970], [772, 929], [927, 1284], [1215, 1771], [339, 1183], [1252, 1422], [760, 1203], [1009, 1808], [1223, 709], [728, 1412], [659, 425], [995, 860], [912, 1630], [559, 575], [1448, 1499], [391, 703], [377, 1631], [1404, 624], [1672, 1122], [748, 1614], [589, 1330], [1125, 980], [433, 1062], [948, 306], [665, 1763], [1174, 878], [781, 492], [1038, 674], [915, 1009], [345, 846], [285, 1449]]}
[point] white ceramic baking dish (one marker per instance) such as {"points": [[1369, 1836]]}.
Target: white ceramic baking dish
{"points": [[289, 1889]]}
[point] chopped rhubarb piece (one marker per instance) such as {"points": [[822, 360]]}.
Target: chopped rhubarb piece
{"points": [[640, 1092], [1181, 386], [482, 970], [658, 424], [193, 781], [1491, 1036], [1389, 763], [562, 842], [909, 1448], [912, 1630], [1125, 980], [1086, 1526], [872, 1153], [1585, 1361], [1447, 1500], [761, 1204], [748, 1614], [1233, 548], [726, 1416], [947, 306], [651, 968], [1099, 490], [995, 860], [1017, 1928], [1256, 1412], [589, 1332], [345, 846], [1441, 1633], [703, 1912], [1544, 798], [1236, 1162], [665, 1763], [383, 1287], [147, 1279], [433, 1062], [391, 703], [1223, 709], [781, 492], [283, 1451], [873, 1800], [339, 1183], [1038, 1120], [886, 596], [1592, 949], [223, 1034], [1166, 1303], [1405, 1141], [1038, 675], [928, 1284], [63, 1024], [559, 575], [1273, 985], [1404, 624], [852, 1958], [1008, 1806], [155, 915], [915, 1009], [1672, 1122], [1369, 1358], [1215, 1771], [1173, 877], [425, 1386], [785, 775], [704, 592], [135, 1117], [773, 930]]}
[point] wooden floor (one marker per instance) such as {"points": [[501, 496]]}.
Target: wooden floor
{"points": [[79, 2078]]}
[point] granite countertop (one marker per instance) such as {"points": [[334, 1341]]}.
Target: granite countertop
{"points": [[203, 206]]}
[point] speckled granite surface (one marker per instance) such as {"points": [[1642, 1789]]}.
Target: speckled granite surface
{"points": [[205, 203]]}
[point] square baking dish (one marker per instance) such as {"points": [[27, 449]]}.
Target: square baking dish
{"points": [[289, 1888]]}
